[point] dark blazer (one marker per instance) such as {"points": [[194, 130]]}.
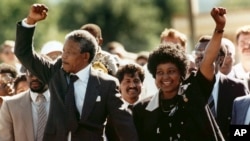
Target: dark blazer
{"points": [[94, 112], [240, 108], [229, 89]]}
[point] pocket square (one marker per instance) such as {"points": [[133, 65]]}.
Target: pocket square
{"points": [[98, 99]]}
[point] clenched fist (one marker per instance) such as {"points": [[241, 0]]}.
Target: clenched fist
{"points": [[37, 13]]}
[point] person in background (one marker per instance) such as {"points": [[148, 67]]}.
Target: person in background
{"points": [[131, 77], [102, 56], [225, 89], [81, 97], [174, 36], [142, 58], [20, 118], [241, 111], [7, 54], [52, 49], [7, 76], [229, 58], [118, 49], [20, 84], [177, 111]]}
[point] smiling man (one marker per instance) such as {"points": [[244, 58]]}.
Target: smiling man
{"points": [[131, 78]]}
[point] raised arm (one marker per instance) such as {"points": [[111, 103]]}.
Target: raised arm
{"points": [[212, 50]]}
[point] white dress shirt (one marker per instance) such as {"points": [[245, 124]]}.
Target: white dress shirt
{"points": [[80, 87], [215, 90], [34, 105]]}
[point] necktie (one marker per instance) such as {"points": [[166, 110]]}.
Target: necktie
{"points": [[42, 117], [211, 105], [71, 111]]}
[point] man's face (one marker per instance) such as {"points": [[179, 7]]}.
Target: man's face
{"points": [[131, 87], [35, 84], [8, 56], [72, 59], [199, 53], [244, 46]]}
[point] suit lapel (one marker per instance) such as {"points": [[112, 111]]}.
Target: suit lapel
{"points": [[92, 92], [27, 116]]}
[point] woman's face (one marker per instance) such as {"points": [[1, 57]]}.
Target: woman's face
{"points": [[168, 79]]}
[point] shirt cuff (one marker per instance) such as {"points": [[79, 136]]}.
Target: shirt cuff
{"points": [[24, 24]]}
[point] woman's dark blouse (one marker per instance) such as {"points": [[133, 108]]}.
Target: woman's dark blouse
{"points": [[189, 122]]}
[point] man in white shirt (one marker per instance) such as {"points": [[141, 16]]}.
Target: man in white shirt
{"points": [[242, 69], [78, 109], [20, 114]]}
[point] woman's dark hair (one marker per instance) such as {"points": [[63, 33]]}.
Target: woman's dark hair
{"points": [[168, 53]]}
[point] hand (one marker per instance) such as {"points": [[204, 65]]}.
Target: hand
{"points": [[219, 17], [37, 13]]}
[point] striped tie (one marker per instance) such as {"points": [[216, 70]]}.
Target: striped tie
{"points": [[42, 117], [211, 105]]}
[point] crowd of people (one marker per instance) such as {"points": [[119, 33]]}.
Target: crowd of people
{"points": [[76, 90]]}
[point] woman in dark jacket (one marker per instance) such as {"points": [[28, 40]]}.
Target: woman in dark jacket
{"points": [[177, 112]]}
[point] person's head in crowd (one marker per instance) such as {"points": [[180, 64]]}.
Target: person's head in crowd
{"points": [[174, 36], [191, 64], [142, 58], [7, 52], [35, 84], [7, 76], [229, 58], [95, 30], [200, 50], [20, 84], [53, 49], [131, 78], [79, 50], [118, 49], [243, 44], [168, 62]]}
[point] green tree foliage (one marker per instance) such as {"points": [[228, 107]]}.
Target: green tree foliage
{"points": [[137, 24]]}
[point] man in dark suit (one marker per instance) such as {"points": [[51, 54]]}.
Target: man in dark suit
{"points": [[131, 78], [225, 89], [95, 94]]}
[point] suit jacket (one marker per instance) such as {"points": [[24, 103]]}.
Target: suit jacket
{"points": [[240, 108], [16, 122], [229, 89], [100, 86]]}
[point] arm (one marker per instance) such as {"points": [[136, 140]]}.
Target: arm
{"points": [[24, 45], [212, 50]]}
